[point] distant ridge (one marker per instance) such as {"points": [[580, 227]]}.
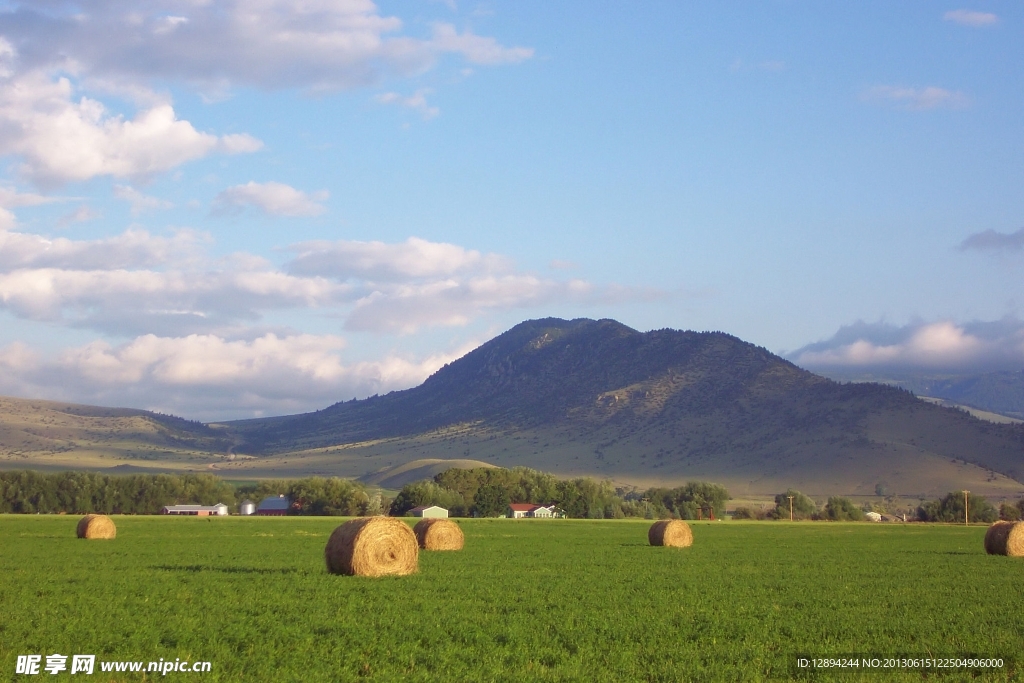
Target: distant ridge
{"points": [[601, 398]]}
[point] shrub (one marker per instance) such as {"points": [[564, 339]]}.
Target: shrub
{"points": [[744, 512]]}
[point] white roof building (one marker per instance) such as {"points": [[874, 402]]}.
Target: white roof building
{"points": [[429, 511], [218, 510]]}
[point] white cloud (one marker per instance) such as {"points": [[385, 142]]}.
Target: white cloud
{"points": [[140, 202], [131, 249], [59, 139], [405, 309], [477, 49], [80, 215], [417, 102], [276, 199], [132, 301], [378, 261], [942, 345], [137, 282], [11, 199], [314, 44], [210, 377], [967, 17], [917, 99]]}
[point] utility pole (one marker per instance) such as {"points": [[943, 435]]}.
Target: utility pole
{"points": [[790, 508], [966, 516]]}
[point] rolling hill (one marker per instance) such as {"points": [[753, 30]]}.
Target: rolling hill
{"points": [[52, 435], [598, 398]]}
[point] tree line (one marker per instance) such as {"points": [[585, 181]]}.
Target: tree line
{"points": [[488, 491], [84, 492], [481, 492], [949, 508], [31, 492]]}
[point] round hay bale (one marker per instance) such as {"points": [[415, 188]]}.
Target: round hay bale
{"points": [[674, 533], [439, 534], [372, 546], [1005, 538], [96, 526]]}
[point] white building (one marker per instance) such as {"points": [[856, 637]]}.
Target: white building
{"points": [[521, 510], [218, 510], [429, 511]]}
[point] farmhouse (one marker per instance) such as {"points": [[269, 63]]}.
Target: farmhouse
{"points": [[429, 511], [219, 510], [273, 506], [520, 510]]}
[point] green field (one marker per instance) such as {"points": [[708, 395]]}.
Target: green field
{"points": [[538, 600]]}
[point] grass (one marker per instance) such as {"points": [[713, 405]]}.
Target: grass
{"points": [[525, 601]]}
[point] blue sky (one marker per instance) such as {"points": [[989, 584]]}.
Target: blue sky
{"points": [[227, 209]]}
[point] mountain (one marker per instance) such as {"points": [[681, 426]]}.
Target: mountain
{"points": [[1000, 392], [997, 392], [599, 398]]}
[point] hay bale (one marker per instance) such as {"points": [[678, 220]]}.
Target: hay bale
{"points": [[372, 546], [674, 533], [96, 526], [1005, 538], [439, 534]]}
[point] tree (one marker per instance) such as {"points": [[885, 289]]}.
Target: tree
{"points": [[839, 509], [950, 508], [427, 492], [1009, 512], [803, 507], [491, 500]]}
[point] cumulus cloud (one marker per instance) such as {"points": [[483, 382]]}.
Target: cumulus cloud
{"points": [[130, 301], [938, 346], [210, 377], [60, 139], [990, 240], [137, 282], [140, 202], [11, 199], [275, 199], [917, 99], [967, 17], [417, 102], [379, 261], [477, 49], [315, 44], [405, 309], [80, 215], [131, 249]]}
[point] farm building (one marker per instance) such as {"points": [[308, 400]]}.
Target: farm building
{"points": [[218, 510], [429, 511], [520, 510], [247, 507], [873, 516], [273, 506]]}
